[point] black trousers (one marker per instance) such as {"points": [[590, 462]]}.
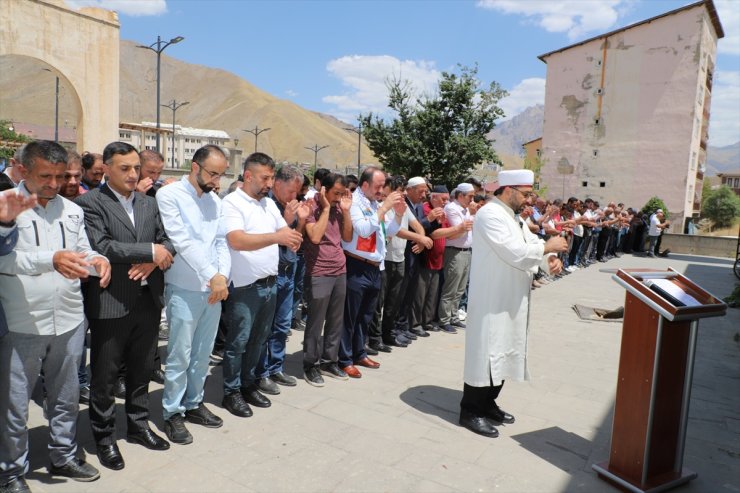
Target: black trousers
{"points": [[131, 340], [480, 400], [389, 303]]}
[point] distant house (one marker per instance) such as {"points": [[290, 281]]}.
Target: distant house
{"points": [[627, 112], [732, 180]]}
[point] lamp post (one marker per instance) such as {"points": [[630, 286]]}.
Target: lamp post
{"points": [[358, 131], [160, 46], [56, 109], [174, 105], [316, 150], [256, 131]]}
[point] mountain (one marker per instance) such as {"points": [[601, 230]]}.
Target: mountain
{"points": [[218, 100], [723, 159], [508, 136]]}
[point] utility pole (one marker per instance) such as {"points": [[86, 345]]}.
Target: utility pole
{"points": [[174, 106], [358, 131], [316, 150]]}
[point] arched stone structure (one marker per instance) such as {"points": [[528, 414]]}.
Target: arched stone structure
{"points": [[81, 47]]}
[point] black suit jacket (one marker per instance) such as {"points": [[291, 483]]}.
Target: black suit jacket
{"points": [[111, 233]]}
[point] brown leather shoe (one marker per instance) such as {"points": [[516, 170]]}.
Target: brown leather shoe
{"points": [[367, 363], [352, 371]]}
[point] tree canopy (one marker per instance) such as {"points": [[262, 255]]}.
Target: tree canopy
{"points": [[722, 206], [442, 136]]}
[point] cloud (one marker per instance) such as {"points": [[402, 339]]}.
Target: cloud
{"points": [[291, 93], [134, 8], [729, 16], [528, 92], [724, 124], [364, 77], [574, 17]]}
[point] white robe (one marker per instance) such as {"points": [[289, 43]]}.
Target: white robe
{"points": [[505, 256]]}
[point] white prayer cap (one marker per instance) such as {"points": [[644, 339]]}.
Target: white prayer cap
{"points": [[515, 177], [464, 188], [417, 180], [659, 211]]}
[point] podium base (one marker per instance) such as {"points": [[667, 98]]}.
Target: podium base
{"points": [[661, 483]]}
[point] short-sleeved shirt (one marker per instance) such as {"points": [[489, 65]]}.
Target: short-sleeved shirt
{"points": [[456, 214], [434, 258], [654, 228], [327, 258], [397, 246], [240, 212]]}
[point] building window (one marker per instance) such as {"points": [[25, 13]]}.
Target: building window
{"points": [[596, 153], [602, 184], [584, 183], [737, 183], [539, 152], [597, 121]]}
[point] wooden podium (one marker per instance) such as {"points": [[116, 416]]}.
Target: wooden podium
{"points": [[656, 363]]}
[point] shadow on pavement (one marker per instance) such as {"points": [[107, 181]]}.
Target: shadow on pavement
{"points": [[434, 400]]}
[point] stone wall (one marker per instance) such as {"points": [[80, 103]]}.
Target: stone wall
{"points": [[710, 246]]}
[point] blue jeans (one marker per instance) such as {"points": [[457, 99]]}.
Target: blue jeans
{"points": [[363, 289], [193, 324], [273, 354], [249, 312]]}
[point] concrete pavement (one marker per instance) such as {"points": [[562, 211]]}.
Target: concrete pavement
{"points": [[396, 428]]}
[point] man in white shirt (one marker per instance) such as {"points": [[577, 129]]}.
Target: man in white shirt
{"points": [[254, 228], [456, 258], [40, 291], [657, 223], [195, 285]]}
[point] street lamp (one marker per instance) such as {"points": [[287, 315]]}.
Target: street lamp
{"points": [[316, 150], [160, 46], [174, 105], [56, 109], [256, 132], [358, 131]]}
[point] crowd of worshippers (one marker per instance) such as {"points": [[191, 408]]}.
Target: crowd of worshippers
{"points": [[98, 252]]}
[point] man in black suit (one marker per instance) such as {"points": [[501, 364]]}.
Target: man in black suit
{"points": [[125, 226]]}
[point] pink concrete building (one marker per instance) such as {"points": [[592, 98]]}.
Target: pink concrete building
{"points": [[627, 112]]}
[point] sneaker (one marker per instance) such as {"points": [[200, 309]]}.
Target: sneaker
{"points": [[176, 430], [76, 469], [332, 370], [461, 314], [201, 415], [312, 375]]}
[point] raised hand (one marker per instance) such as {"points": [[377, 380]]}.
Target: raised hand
{"points": [[290, 211], [346, 202], [323, 200], [144, 185], [12, 204], [304, 210]]}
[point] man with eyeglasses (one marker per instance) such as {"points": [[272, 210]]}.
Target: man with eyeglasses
{"points": [[195, 285], [505, 256]]}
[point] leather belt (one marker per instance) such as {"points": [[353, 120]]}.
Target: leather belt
{"points": [[362, 259], [459, 249]]}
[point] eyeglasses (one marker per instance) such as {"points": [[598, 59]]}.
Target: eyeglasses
{"points": [[212, 174], [526, 194]]}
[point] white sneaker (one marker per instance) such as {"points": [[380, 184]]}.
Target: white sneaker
{"points": [[461, 315], [570, 269]]}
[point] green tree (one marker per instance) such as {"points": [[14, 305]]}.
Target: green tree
{"points": [[653, 205], [9, 140], [722, 206], [536, 166], [442, 136]]}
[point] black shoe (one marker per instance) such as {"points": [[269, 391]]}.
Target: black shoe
{"points": [[448, 329], [478, 424], [397, 342], [176, 430], [379, 346], [253, 396], [369, 350], [499, 416], [298, 325], [267, 386], [76, 469], [110, 457], [85, 395], [431, 328], [235, 404], [119, 388], [149, 439], [281, 378], [458, 323], [403, 339], [312, 375], [15, 485], [332, 370], [201, 415], [419, 332], [408, 335], [158, 376]]}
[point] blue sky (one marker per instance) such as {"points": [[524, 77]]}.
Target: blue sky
{"points": [[333, 56]]}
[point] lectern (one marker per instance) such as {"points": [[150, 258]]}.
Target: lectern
{"points": [[656, 363]]}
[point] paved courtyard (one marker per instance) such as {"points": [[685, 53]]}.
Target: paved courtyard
{"points": [[396, 428]]}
